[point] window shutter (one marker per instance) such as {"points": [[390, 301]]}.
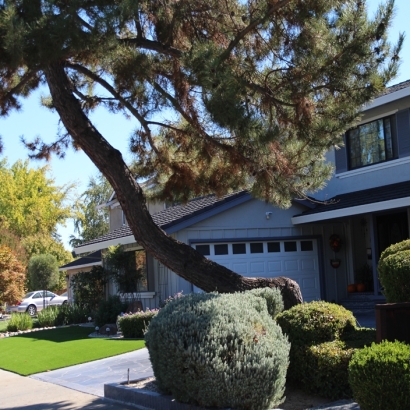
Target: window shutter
{"points": [[403, 133], [341, 159]]}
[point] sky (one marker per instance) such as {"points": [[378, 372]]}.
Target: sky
{"points": [[34, 120]]}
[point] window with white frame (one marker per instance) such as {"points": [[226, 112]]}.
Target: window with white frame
{"points": [[370, 143]]}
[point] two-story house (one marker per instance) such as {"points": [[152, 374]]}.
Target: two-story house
{"points": [[365, 207]]}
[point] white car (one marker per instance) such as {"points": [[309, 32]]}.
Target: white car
{"points": [[34, 301]]}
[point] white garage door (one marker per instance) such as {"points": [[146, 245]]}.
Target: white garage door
{"points": [[295, 259]]}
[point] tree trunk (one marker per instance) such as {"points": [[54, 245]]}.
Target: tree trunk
{"points": [[177, 256]]}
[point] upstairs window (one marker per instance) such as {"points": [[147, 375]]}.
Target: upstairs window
{"points": [[370, 143]]}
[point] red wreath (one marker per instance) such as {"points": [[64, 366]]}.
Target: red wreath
{"points": [[335, 242]]}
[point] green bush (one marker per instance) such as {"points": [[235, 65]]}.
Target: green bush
{"points": [[47, 316], [221, 350], [69, 314], [394, 274], [315, 322], [19, 321], [109, 310], [311, 324], [380, 376], [397, 247], [327, 373], [273, 298], [134, 325]]}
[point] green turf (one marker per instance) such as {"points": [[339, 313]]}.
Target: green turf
{"points": [[3, 325], [44, 350]]}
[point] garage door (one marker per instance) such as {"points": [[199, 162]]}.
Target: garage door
{"points": [[295, 259]]}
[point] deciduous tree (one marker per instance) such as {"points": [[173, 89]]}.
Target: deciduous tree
{"points": [[12, 277], [31, 207], [92, 221], [43, 272], [228, 95]]}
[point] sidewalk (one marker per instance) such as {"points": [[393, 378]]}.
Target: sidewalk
{"points": [[25, 393]]}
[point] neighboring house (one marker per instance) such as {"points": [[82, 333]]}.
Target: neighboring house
{"points": [[366, 204]]}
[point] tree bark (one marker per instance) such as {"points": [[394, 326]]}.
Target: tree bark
{"points": [[177, 256]]}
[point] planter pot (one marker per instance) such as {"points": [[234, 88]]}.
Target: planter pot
{"points": [[335, 263], [393, 322]]}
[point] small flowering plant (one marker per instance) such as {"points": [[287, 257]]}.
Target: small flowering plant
{"points": [[169, 299], [134, 325]]}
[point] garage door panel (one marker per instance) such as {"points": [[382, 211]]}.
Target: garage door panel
{"points": [[241, 268], [257, 268], [307, 264], [275, 267], [291, 265]]}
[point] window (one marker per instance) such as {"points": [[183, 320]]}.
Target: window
{"points": [[203, 249], [238, 248], [306, 246], [290, 247], [256, 247], [370, 143], [221, 249], [273, 247], [130, 272]]}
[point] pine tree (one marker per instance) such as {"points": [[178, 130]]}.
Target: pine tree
{"points": [[253, 95]]}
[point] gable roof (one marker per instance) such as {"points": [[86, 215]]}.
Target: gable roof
{"points": [[93, 259], [172, 219], [359, 202]]}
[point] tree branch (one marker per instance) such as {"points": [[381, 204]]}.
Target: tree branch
{"points": [[250, 27]]}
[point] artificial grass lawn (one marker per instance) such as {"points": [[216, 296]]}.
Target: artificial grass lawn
{"points": [[44, 350], [3, 325]]}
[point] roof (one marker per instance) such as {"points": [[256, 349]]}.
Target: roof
{"points": [[359, 202], [172, 219], [93, 259], [390, 94], [395, 87]]}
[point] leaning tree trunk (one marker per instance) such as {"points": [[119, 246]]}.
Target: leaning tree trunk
{"points": [[177, 256]]}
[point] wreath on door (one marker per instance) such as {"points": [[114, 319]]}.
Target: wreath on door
{"points": [[335, 242]]}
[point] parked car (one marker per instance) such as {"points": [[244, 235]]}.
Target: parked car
{"points": [[33, 302]]}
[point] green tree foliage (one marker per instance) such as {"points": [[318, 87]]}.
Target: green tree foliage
{"points": [[31, 207], [43, 272], [91, 222], [89, 287], [259, 89], [227, 95], [12, 277]]}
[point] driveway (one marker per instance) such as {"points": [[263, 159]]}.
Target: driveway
{"points": [[91, 377]]}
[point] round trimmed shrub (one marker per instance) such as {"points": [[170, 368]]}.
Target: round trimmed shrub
{"points": [[397, 247], [311, 324], [380, 376], [315, 322], [221, 350], [394, 274]]}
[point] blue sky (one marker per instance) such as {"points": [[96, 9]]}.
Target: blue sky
{"points": [[34, 120]]}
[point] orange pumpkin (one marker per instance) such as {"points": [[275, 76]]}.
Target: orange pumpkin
{"points": [[351, 288], [360, 287]]}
